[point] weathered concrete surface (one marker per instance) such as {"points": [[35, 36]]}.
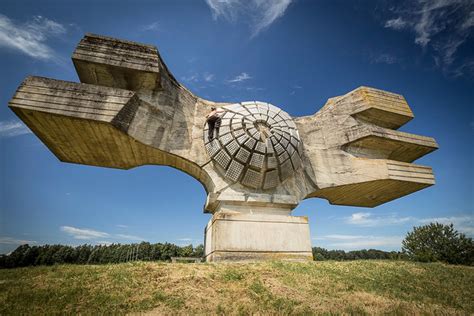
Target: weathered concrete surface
{"points": [[258, 145], [249, 236], [130, 111]]}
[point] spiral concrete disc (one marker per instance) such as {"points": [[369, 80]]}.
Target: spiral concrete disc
{"points": [[258, 145]]}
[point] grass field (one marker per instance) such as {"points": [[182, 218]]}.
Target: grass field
{"points": [[354, 287]]}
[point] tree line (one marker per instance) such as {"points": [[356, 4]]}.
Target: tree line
{"points": [[428, 243], [26, 255], [341, 255], [434, 242]]}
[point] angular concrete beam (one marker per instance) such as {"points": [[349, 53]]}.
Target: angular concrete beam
{"points": [[392, 180], [89, 124], [376, 142], [379, 107], [116, 63]]}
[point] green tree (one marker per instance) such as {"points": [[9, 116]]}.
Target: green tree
{"points": [[83, 253], [144, 251], [438, 242], [198, 251], [185, 251], [16, 257], [320, 254]]}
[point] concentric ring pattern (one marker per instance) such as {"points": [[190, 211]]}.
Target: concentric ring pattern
{"points": [[258, 145]]}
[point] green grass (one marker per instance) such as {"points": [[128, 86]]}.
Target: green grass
{"points": [[329, 287]]}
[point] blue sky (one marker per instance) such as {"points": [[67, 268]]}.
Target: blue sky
{"points": [[294, 54]]}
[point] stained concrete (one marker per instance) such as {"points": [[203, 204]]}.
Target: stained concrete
{"points": [[130, 111]]}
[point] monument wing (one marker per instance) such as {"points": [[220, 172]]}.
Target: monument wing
{"points": [[357, 156]]}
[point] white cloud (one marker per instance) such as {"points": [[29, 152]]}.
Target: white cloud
{"points": [[396, 24], [13, 128], [293, 92], [30, 38], [242, 77], [369, 220], [259, 14], [90, 234], [13, 241], [103, 243], [384, 59], [83, 233], [469, 22], [350, 242], [190, 78], [342, 237], [154, 26], [463, 224], [440, 27], [208, 77], [198, 78], [358, 218], [254, 89], [121, 226], [129, 237], [185, 239]]}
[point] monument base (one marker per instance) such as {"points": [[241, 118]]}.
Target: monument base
{"points": [[257, 235]]}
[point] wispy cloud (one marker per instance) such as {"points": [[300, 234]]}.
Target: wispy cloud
{"points": [[388, 59], [350, 242], [30, 38], [369, 220], [208, 77], [121, 226], [258, 14], [83, 233], [191, 78], [103, 243], [13, 241], [440, 27], [239, 78], [154, 26], [99, 236], [184, 239], [129, 237], [463, 223], [195, 77], [254, 89], [13, 128], [396, 24], [295, 87]]}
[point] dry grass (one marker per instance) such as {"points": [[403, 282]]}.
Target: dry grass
{"points": [[356, 287]]}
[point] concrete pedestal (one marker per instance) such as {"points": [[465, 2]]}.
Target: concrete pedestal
{"points": [[257, 235]]}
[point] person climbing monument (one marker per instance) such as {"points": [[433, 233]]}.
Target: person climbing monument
{"points": [[214, 122]]}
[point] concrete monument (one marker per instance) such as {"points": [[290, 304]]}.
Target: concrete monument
{"points": [[130, 111]]}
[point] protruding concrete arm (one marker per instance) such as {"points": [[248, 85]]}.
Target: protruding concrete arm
{"points": [[356, 157], [94, 125]]}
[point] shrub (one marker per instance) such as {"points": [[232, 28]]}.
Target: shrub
{"points": [[438, 242]]}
